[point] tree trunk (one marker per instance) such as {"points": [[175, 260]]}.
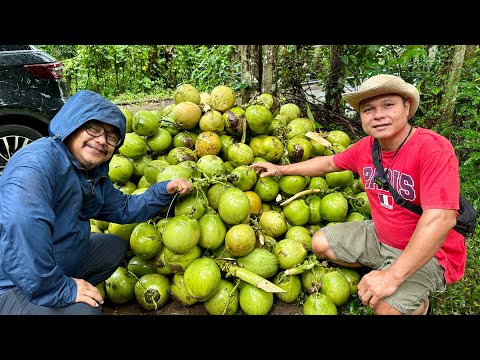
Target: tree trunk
{"points": [[269, 75], [333, 92], [470, 51], [251, 64], [454, 71], [440, 56]]}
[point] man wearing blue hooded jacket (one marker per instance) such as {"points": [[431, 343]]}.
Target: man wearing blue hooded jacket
{"points": [[50, 262]]}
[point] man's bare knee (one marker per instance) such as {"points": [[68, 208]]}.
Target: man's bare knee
{"points": [[320, 246]]}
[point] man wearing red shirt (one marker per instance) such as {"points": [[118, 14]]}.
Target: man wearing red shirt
{"points": [[411, 256]]}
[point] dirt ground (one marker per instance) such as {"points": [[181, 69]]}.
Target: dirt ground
{"points": [[173, 307], [153, 104]]}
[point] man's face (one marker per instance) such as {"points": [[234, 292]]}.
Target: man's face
{"points": [[89, 150], [384, 116]]}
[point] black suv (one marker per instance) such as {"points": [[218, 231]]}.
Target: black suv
{"points": [[32, 90]]}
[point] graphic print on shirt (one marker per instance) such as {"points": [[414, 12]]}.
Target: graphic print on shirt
{"points": [[403, 183], [386, 201]]}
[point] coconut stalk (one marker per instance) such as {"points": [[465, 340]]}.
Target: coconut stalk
{"points": [[309, 263], [249, 277], [299, 195], [320, 139]]}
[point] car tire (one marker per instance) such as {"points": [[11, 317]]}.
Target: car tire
{"points": [[12, 138]]}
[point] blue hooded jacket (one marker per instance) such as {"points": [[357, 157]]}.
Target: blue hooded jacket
{"points": [[47, 200]]}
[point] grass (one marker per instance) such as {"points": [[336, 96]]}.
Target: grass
{"points": [[463, 296]]}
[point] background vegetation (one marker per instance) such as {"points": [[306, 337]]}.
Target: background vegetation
{"points": [[448, 77]]}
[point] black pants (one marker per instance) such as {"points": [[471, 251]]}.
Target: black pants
{"points": [[105, 253]]}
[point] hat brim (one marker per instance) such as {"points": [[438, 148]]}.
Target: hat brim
{"points": [[392, 86]]}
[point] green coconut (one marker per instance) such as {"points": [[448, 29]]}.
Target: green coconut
{"points": [[259, 119], [234, 120], [212, 231], [222, 98], [290, 253], [291, 284], [145, 240], [120, 169], [187, 114], [260, 261], [207, 143], [160, 142], [129, 117], [179, 262], [179, 154], [240, 154], [240, 240], [255, 301], [145, 123], [212, 120], [271, 149], [290, 111], [179, 291], [120, 286], [152, 291], [336, 287], [202, 278], [186, 92], [273, 223], [225, 300], [339, 137], [181, 233], [319, 304], [334, 207], [133, 146], [210, 165], [233, 206]]}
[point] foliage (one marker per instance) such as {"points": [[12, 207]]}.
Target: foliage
{"points": [[298, 63], [205, 67], [141, 70]]}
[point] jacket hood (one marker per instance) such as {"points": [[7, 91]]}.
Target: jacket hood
{"points": [[83, 106]]}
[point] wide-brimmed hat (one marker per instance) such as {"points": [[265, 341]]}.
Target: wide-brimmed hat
{"points": [[384, 84]]}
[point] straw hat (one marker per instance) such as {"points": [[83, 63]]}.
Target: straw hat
{"points": [[384, 84]]}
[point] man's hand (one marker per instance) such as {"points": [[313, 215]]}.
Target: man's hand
{"points": [[181, 186], [374, 286], [87, 293], [264, 169]]}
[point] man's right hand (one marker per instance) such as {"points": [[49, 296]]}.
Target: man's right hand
{"points": [[88, 293], [264, 169], [179, 185]]}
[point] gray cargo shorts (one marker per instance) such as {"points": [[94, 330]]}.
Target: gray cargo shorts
{"points": [[357, 241]]}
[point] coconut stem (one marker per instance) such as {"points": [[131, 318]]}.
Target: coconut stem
{"points": [[299, 195], [248, 277], [309, 263]]}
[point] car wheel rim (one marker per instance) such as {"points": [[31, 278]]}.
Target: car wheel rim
{"points": [[8, 146]]}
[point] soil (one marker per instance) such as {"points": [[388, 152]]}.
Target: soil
{"points": [[174, 307], [150, 104]]}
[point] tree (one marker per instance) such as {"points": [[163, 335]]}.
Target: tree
{"points": [[333, 92], [448, 68], [251, 64], [269, 74], [454, 70], [258, 64]]}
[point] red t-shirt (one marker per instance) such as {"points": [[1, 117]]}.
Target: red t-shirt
{"points": [[425, 172]]}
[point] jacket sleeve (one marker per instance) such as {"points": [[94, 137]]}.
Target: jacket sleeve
{"points": [[26, 236], [126, 209]]}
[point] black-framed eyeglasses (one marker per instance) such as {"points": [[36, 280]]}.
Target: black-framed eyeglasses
{"points": [[95, 129]]}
